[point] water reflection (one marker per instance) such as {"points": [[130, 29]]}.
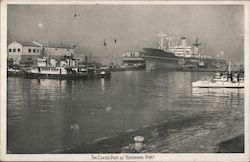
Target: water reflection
{"points": [[46, 115], [236, 92], [103, 84], [219, 98]]}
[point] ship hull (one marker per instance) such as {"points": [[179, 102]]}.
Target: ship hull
{"points": [[157, 59], [158, 63], [217, 84], [53, 76], [66, 76]]}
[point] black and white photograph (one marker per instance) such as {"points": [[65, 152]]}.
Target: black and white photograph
{"points": [[125, 80]]}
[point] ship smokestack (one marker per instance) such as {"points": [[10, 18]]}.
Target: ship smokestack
{"points": [[183, 42], [86, 59], [196, 49]]}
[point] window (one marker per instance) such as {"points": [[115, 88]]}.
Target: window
{"points": [[34, 50], [14, 50], [10, 50], [29, 50], [37, 50], [56, 49], [18, 50]]}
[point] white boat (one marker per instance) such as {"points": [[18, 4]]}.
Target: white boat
{"points": [[218, 84], [221, 81], [56, 72], [66, 70]]}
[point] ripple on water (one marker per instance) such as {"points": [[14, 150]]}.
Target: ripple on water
{"points": [[105, 108]]}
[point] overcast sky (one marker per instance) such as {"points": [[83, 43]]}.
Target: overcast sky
{"points": [[220, 27]]}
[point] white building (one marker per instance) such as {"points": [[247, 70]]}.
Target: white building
{"points": [[24, 51], [133, 59], [29, 52]]}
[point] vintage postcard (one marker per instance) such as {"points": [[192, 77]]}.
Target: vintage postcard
{"points": [[124, 80]]}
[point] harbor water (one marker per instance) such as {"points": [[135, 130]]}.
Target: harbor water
{"points": [[44, 115]]}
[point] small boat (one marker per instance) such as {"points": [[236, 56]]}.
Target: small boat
{"points": [[221, 81], [104, 72], [218, 84], [14, 71]]}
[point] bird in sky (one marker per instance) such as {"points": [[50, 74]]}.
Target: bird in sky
{"points": [[75, 14]]}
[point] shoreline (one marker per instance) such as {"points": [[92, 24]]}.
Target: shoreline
{"points": [[182, 135]]}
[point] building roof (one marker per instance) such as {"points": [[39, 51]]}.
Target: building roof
{"points": [[54, 45], [28, 44], [51, 45]]}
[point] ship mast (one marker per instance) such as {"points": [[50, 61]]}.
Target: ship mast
{"points": [[161, 35], [49, 53], [229, 67], [196, 46], [169, 43]]}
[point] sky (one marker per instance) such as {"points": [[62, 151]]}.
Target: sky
{"points": [[219, 28]]}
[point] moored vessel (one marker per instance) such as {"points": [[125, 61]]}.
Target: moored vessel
{"points": [[104, 72], [218, 84], [14, 71], [56, 73], [222, 80], [178, 57], [66, 70]]}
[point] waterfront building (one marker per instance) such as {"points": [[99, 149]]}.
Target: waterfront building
{"points": [[28, 52], [56, 51], [133, 60], [19, 52]]}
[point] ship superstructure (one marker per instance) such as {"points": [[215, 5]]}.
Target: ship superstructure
{"points": [[179, 56]]}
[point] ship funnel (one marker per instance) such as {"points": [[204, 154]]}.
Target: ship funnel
{"points": [[183, 42], [196, 49], [86, 59]]}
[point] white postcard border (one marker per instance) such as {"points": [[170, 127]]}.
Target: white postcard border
{"points": [[87, 157]]}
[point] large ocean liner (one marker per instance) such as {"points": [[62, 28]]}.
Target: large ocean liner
{"points": [[180, 57]]}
